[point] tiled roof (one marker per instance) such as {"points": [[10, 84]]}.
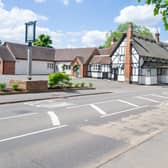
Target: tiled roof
{"points": [[101, 59], [5, 54], [149, 47], [71, 54], [38, 53], [19, 51]]}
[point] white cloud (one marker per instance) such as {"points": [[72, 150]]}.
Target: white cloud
{"points": [[142, 15], [93, 38], [66, 2], [12, 28], [79, 1], [1, 4], [39, 1]]}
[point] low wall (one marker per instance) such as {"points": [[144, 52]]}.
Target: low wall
{"points": [[31, 85]]}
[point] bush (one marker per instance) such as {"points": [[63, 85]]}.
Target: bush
{"points": [[2, 86], [83, 84], [90, 85], [59, 79], [77, 85], [15, 86]]}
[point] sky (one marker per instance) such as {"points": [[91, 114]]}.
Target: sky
{"points": [[74, 23]]}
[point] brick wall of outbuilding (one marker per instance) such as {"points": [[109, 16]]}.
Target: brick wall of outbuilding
{"points": [[9, 67], [1, 67]]}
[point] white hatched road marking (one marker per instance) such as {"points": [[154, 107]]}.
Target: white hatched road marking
{"points": [[159, 96], [123, 111], [99, 110], [32, 133], [126, 102], [18, 116], [83, 105], [148, 99], [54, 118], [48, 104]]}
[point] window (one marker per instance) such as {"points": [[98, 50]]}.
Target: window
{"points": [[50, 65], [96, 67]]}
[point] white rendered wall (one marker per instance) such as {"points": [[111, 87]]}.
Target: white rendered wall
{"points": [[59, 66], [38, 67]]}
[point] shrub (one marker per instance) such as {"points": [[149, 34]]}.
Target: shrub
{"points": [[90, 85], [59, 79], [15, 86], [83, 84], [77, 85], [2, 86]]}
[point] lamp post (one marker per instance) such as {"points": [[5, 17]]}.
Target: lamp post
{"points": [[30, 35]]}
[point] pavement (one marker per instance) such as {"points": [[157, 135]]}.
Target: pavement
{"points": [[152, 153], [122, 128]]}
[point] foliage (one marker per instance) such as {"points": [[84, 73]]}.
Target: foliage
{"points": [[83, 84], [2, 86], [76, 67], [141, 30], [59, 79], [161, 7], [15, 86], [77, 85], [63, 67], [90, 85], [43, 41]]}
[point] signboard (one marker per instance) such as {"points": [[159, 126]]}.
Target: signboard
{"points": [[30, 32]]}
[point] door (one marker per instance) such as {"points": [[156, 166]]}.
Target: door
{"points": [[105, 75], [115, 70]]}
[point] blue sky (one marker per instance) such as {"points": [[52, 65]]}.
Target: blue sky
{"points": [[74, 23]]}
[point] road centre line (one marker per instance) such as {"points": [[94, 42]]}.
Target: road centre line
{"points": [[18, 116], [54, 118], [32, 133], [123, 111], [96, 103], [126, 102], [148, 99], [99, 110]]}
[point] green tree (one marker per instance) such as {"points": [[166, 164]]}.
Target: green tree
{"points": [[161, 7], [141, 30], [43, 41]]}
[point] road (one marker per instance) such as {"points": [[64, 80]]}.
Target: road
{"points": [[79, 132]]}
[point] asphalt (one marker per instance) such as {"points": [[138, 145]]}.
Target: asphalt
{"points": [[86, 131]]}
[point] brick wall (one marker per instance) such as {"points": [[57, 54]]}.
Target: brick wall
{"points": [[9, 67], [1, 67], [40, 85], [128, 54]]}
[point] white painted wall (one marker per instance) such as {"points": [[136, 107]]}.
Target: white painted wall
{"points": [[38, 67], [59, 66]]}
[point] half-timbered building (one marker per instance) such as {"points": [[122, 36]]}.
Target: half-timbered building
{"points": [[139, 59]]}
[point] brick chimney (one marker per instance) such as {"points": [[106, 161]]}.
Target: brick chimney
{"points": [[128, 54], [114, 40], [157, 36]]}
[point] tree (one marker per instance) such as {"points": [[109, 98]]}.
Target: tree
{"points": [[43, 41], [161, 7], [141, 30]]}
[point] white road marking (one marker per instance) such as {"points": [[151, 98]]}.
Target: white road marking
{"points": [[99, 110], [54, 118], [147, 99], [156, 95], [17, 116], [124, 111], [83, 105], [32, 133], [126, 102]]}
